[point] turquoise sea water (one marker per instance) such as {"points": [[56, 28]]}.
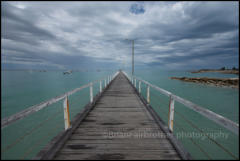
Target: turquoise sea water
{"points": [[21, 89]]}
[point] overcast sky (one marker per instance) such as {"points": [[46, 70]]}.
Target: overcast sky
{"points": [[79, 35]]}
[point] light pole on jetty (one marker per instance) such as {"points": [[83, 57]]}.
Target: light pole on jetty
{"points": [[132, 55]]}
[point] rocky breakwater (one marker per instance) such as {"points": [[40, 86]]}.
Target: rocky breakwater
{"points": [[223, 82]]}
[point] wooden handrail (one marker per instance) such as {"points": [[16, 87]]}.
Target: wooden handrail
{"points": [[220, 120], [30, 110]]}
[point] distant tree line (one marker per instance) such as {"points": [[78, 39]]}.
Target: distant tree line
{"points": [[223, 68]]}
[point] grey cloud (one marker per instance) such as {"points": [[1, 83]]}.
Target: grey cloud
{"points": [[15, 26], [76, 34]]}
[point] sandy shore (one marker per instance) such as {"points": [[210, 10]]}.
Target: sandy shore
{"points": [[223, 82], [213, 70]]}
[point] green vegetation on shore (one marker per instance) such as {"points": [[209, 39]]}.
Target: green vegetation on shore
{"points": [[234, 70]]}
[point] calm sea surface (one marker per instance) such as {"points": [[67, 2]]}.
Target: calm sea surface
{"points": [[22, 89]]}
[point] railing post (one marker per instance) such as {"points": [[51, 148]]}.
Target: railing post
{"points": [[135, 83], [100, 86], [171, 114], [139, 86], [148, 94], [91, 92], [66, 113]]}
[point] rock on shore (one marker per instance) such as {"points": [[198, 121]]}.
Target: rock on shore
{"points": [[229, 82]]}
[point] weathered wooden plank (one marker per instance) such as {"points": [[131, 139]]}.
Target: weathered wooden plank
{"points": [[119, 110], [133, 129], [112, 136], [105, 121], [119, 155], [149, 141], [136, 146], [139, 114], [119, 125], [138, 151], [130, 131], [120, 115], [118, 129]]}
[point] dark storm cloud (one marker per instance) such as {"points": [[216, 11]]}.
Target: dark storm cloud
{"points": [[76, 34], [16, 27]]}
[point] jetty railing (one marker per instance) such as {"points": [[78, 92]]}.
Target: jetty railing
{"points": [[20, 115], [205, 113], [100, 84]]}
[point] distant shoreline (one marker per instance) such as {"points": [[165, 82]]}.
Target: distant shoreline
{"points": [[226, 71], [222, 82]]}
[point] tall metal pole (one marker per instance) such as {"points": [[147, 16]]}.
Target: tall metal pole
{"points": [[132, 57]]}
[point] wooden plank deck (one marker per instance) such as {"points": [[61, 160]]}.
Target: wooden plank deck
{"points": [[118, 127]]}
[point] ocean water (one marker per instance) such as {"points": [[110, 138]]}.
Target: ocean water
{"points": [[21, 89]]}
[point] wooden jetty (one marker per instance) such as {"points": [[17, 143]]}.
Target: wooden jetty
{"points": [[119, 124]]}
